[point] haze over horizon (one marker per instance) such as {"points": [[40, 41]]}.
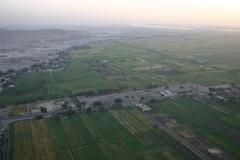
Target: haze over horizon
{"points": [[119, 12]]}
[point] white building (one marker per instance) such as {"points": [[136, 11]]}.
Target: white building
{"points": [[166, 93], [143, 107]]}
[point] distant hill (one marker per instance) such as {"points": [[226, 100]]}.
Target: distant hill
{"points": [[18, 36], [6, 36]]}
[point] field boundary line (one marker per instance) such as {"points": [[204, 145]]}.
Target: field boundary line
{"points": [[182, 142], [130, 128], [70, 153], [178, 105]]}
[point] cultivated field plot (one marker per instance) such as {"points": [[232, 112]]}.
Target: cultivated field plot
{"points": [[168, 57], [213, 127], [118, 135], [180, 129]]}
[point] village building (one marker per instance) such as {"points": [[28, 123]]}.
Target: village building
{"points": [[143, 107], [167, 94]]}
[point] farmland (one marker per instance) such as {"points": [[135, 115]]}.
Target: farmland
{"points": [[92, 136], [105, 84], [130, 62], [179, 129], [215, 124]]}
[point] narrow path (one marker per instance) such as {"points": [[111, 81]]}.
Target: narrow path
{"points": [[51, 76]]}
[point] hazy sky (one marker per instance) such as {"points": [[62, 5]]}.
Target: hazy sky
{"points": [[109, 12]]}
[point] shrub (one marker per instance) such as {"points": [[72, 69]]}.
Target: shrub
{"points": [[39, 117], [43, 110], [97, 103], [118, 100]]}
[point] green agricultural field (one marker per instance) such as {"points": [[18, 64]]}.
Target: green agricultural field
{"points": [[174, 129], [206, 58], [217, 123], [94, 136], [31, 140]]}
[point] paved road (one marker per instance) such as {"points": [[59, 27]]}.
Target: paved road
{"points": [[129, 97], [5, 121]]}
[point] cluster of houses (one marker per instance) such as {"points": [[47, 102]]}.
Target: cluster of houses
{"points": [[51, 106], [200, 61], [5, 81], [7, 76], [167, 94], [55, 63], [136, 98], [229, 92]]}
